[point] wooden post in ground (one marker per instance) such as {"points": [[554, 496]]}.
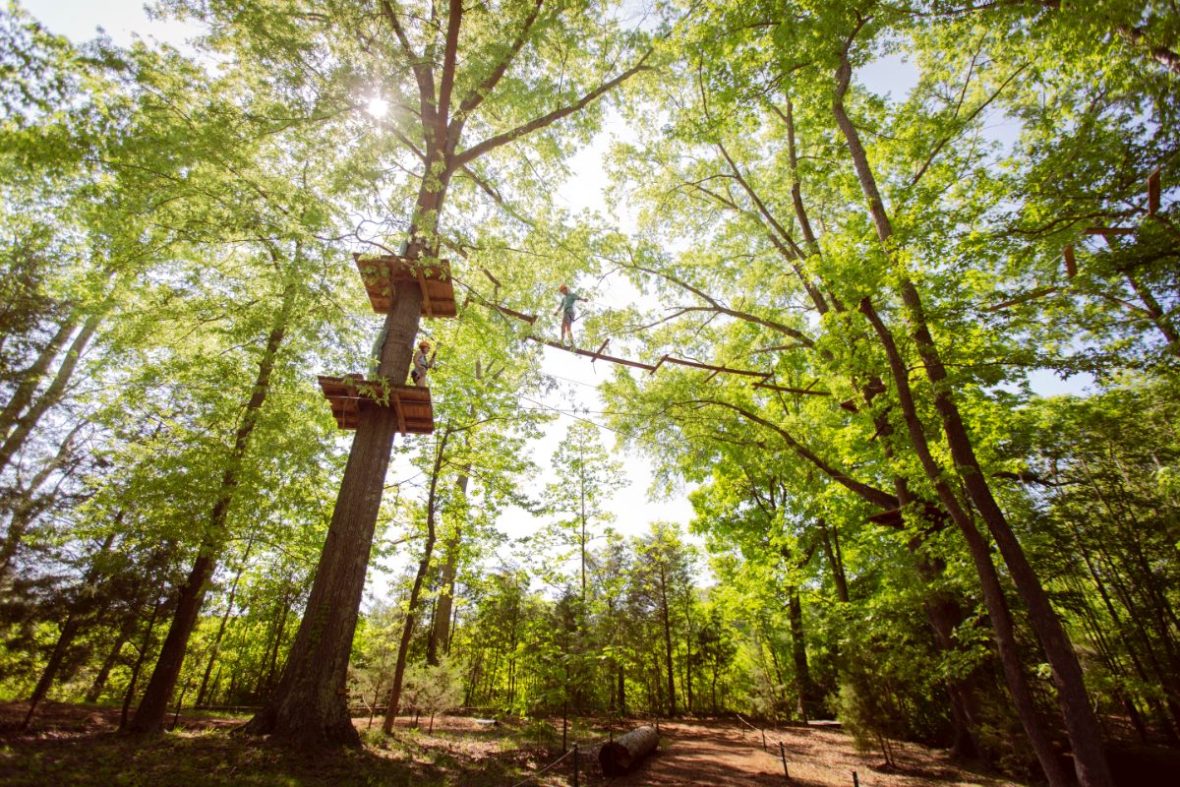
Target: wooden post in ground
{"points": [[575, 765], [782, 750], [855, 780]]}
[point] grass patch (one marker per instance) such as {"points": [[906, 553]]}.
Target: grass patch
{"points": [[205, 758]]}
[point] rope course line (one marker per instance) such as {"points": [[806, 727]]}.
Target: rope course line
{"points": [[596, 355], [570, 414]]}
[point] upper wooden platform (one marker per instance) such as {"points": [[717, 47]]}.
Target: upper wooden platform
{"points": [[350, 394], [380, 274]]}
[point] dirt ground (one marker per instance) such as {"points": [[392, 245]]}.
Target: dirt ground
{"points": [[70, 744], [723, 752]]}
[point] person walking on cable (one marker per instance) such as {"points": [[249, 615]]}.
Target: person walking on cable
{"points": [[568, 299]]}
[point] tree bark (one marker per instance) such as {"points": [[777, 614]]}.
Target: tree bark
{"points": [[993, 595], [309, 705]]}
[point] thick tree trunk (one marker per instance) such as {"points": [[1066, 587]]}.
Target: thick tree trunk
{"points": [[1081, 724], [149, 717], [994, 599], [403, 647], [310, 704]]}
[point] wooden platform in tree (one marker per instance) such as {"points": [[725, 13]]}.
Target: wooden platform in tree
{"points": [[380, 274], [352, 393]]}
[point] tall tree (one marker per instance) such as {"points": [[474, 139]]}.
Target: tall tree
{"points": [[459, 59]]}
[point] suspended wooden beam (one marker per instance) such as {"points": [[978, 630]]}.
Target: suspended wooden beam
{"points": [[1071, 263], [598, 354], [1153, 192], [589, 354], [380, 274], [351, 394]]}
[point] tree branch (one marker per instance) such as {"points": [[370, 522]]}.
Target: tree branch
{"points": [[474, 152], [473, 99], [869, 493]]}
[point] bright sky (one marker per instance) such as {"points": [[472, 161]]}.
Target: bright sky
{"points": [[633, 510]]}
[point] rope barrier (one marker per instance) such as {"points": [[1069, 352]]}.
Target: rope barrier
{"points": [[748, 724], [782, 747], [530, 777], [572, 751]]}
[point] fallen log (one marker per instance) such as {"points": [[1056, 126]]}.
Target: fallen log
{"points": [[623, 753]]}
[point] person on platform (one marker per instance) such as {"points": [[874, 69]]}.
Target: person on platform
{"points": [[422, 364]]}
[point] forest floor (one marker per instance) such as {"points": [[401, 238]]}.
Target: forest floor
{"points": [[80, 745], [725, 752]]}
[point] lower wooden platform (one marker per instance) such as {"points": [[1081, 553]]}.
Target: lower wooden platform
{"points": [[350, 394]]}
